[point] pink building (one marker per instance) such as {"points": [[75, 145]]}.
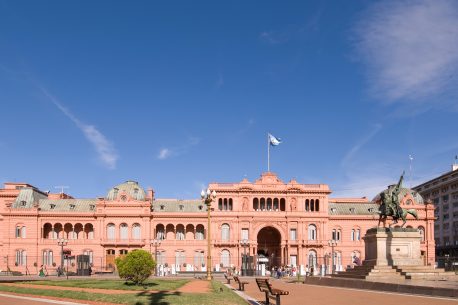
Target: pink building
{"points": [[273, 222]]}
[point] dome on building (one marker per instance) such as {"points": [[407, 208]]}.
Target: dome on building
{"points": [[405, 192], [131, 188]]}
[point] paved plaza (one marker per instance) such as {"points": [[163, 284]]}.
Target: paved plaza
{"points": [[323, 295]]}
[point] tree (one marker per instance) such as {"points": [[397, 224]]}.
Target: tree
{"points": [[136, 266]]}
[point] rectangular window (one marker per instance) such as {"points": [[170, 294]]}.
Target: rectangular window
{"points": [[292, 234], [244, 234], [18, 232]]}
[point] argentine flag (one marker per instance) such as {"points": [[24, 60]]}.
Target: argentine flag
{"points": [[274, 141]]}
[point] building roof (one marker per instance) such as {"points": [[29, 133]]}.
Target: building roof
{"points": [[179, 206], [369, 208], [27, 198], [68, 205], [131, 188]]}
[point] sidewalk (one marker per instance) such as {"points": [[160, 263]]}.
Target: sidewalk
{"points": [[324, 295]]}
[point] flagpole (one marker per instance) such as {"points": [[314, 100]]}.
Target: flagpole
{"points": [[268, 153]]}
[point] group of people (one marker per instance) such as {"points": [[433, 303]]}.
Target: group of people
{"points": [[283, 271]]}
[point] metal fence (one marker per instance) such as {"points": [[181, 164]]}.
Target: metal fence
{"points": [[168, 265], [449, 263]]}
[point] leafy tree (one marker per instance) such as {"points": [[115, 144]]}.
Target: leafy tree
{"points": [[136, 266]]}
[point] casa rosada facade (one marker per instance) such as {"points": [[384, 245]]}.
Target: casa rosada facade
{"points": [[268, 221]]}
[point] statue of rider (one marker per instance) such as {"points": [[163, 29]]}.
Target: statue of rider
{"points": [[395, 202]]}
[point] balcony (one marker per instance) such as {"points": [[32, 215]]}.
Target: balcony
{"points": [[122, 242], [225, 242], [51, 241], [313, 243]]}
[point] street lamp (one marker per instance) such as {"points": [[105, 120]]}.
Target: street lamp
{"points": [[245, 243], [332, 243], [62, 242], [155, 242], [207, 198]]}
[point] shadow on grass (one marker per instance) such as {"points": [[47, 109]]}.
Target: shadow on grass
{"points": [[144, 285], [157, 298]]}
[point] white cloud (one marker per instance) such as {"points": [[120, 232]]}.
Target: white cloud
{"points": [[275, 37], [360, 144], [164, 153], [410, 49], [102, 145]]}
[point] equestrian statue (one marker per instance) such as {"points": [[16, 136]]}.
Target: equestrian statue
{"points": [[390, 205]]}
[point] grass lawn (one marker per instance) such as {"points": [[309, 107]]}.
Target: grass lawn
{"points": [[220, 294], [150, 284]]}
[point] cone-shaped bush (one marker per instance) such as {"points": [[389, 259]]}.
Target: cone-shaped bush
{"points": [[136, 266]]}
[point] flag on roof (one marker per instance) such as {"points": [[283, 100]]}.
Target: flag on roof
{"points": [[274, 141]]}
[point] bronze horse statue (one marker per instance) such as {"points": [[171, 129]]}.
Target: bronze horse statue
{"points": [[384, 213], [390, 205]]}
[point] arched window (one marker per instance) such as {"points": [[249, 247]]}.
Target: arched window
{"points": [[269, 204], [180, 257], [161, 257], [422, 233], [352, 234], [225, 204], [200, 232], [336, 234], [77, 231], [312, 232], [21, 258], [124, 231], [312, 260], [160, 232], [47, 230], [199, 258], [312, 205], [230, 204], [263, 204], [282, 204], [307, 205], [136, 231], [276, 204], [317, 205], [111, 231], [358, 234], [180, 232], [20, 231], [255, 204], [47, 258], [225, 258], [220, 204], [225, 232], [89, 230]]}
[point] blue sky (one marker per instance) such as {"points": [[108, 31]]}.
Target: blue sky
{"points": [[177, 94]]}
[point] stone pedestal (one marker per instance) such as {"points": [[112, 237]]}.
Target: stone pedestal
{"points": [[392, 247]]}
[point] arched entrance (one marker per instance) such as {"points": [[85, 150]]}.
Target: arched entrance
{"points": [[269, 247]]}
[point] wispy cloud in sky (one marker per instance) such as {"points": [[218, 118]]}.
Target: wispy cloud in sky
{"points": [[360, 144], [410, 49], [169, 152], [102, 145]]}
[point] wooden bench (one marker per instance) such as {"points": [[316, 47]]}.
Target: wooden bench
{"points": [[241, 284], [228, 278], [266, 287]]}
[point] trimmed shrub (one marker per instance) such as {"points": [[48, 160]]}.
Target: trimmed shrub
{"points": [[136, 266]]}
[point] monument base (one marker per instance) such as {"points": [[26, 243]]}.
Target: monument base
{"points": [[393, 247]]}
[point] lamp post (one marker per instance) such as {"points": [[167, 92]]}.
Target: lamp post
{"points": [[207, 198], [155, 242], [332, 243], [245, 243], [62, 242]]}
